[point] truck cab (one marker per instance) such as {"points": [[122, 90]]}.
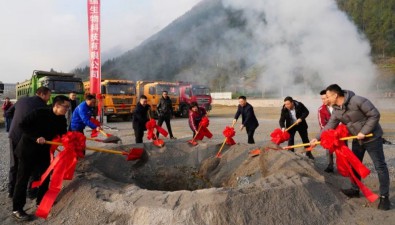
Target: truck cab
{"points": [[153, 90], [194, 93]]}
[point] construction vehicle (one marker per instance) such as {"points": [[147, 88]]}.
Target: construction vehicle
{"points": [[190, 92], [58, 83], [118, 98], [153, 90]]}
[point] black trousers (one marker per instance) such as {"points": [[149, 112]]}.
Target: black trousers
{"points": [[139, 134], [26, 168], [302, 133], [14, 162], [250, 134], [166, 119], [13, 167]]}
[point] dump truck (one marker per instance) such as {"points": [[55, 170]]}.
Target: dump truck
{"points": [[153, 90], [58, 83], [118, 98], [191, 92]]}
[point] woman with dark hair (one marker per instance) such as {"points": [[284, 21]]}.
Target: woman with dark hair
{"points": [[196, 114]]}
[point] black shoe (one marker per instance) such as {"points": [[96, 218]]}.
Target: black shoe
{"points": [[351, 193], [173, 138], [10, 195], [308, 154], [329, 169], [21, 215], [384, 203]]}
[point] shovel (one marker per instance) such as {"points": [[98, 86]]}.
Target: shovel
{"points": [[157, 142], [193, 142], [223, 143], [133, 154], [111, 139], [318, 142]]}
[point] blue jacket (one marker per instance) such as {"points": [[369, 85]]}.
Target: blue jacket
{"points": [[81, 117]]}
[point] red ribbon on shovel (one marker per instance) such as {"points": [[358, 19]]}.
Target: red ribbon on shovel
{"points": [[62, 167], [279, 136], [204, 132], [151, 126], [346, 161]]}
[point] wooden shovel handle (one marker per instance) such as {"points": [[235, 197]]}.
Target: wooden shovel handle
{"points": [[90, 148], [318, 142]]}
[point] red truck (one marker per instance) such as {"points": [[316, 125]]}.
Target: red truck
{"points": [[191, 92]]}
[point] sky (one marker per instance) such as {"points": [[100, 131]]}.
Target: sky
{"points": [[45, 34]]}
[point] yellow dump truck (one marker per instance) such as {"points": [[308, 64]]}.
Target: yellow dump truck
{"points": [[118, 98], [153, 90]]}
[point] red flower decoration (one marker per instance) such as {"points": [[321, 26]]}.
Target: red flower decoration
{"points": [[229, 133]]}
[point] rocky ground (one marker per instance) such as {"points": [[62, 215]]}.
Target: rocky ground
{"points": [[184, 184]]}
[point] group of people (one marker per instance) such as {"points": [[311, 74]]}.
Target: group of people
{"points": [[359, 115], [33, 123]]}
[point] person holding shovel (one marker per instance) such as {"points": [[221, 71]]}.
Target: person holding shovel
{"points": [[140, 118], [324, 114], [34, 155], [294, 112], [82, 115], [361, 118], [196, 114], [248, 118]]}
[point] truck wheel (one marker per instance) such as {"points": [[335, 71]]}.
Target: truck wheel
{"points": [[184, 111]]}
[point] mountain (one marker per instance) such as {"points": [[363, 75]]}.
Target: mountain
{"points": [[235, 46], [197, 46]]}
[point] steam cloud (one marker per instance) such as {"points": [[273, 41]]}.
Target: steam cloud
{"points": [[303, 44]]}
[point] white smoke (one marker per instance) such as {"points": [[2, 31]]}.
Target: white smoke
{"points": [[308, 40]]}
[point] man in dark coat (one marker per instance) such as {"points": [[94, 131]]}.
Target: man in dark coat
{"points": [[248, 118], [165, 113], [7, 104], [295, 112], [39, 126], [20, 109], [361, 118], [140, 118]]}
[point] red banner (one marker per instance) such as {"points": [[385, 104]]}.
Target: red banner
{"points": [[94, 51], [94, 45]]}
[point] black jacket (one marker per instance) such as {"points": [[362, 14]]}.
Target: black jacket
{"points": [[140, 116], [20, 110], [301, 113], [40, 123], [165, 107], [248, 118]]}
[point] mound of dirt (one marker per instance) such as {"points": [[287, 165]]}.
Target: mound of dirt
{"points": [[181, 184]]}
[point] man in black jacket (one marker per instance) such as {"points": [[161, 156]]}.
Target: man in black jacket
{"points": [[19, 111], [295, 112], [165, 113], [248, 118], [140, 118], [39, 126]]}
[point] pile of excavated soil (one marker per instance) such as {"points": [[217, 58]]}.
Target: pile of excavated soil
{"points": [[180, 184]]}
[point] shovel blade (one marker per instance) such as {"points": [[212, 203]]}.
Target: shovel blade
{"points": [[192, 142], [112, 139], [135, 153], [158, 142]]}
